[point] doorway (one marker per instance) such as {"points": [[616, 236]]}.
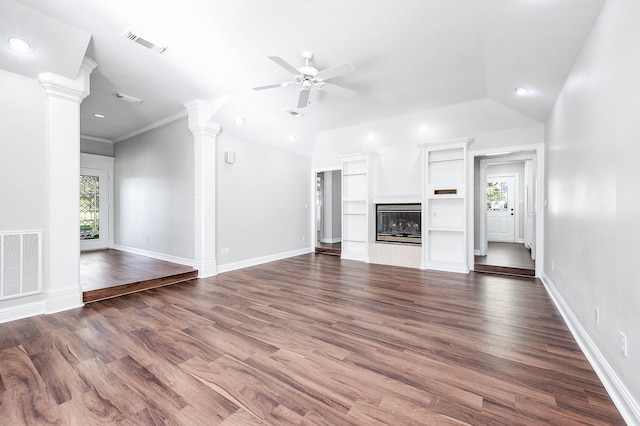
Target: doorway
{"points": [[94, 209], [504, 213], [501, 196], [328, 212]]}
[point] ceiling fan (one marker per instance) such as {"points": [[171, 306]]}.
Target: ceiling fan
{"points": [[308, 77]]}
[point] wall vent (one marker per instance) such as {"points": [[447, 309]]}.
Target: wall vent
{"points": [[20, 264], [146, 43]]}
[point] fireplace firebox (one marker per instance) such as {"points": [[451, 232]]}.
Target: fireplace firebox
{"points": [[399, 223]]}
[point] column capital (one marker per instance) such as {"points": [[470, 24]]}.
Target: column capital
{"points": [[199, 113], [74, 90]]}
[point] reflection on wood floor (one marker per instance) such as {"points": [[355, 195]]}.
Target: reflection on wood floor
{"points": [[109, 273], [507, 258]]}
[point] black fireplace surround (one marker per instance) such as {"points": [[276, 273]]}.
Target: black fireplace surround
{"points": [[399, 223]]}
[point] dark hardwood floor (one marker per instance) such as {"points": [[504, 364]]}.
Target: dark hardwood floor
{"points": [[509, 258], [307, 340], [329, 248], [111, 273]]}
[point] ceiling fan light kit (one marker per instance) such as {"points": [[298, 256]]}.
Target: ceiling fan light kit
{"points": [[308, 77]]}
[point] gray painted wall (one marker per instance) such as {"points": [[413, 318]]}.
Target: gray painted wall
{"points": [[153, 191], [88, 146], [263, 200], [592, 237]]}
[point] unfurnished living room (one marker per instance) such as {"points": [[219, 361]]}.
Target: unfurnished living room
{"points": [[322, 212]]}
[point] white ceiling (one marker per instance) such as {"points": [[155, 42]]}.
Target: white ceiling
{"points": [[409, 55]]}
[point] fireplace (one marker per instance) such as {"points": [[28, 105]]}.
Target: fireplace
{"points": [[399, 223]]}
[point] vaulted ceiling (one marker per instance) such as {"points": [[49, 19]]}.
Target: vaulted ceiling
{"points": [[409, 56]]}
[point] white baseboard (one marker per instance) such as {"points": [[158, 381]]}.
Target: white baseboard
{"points": [[330, 240], [629, 408], [63, 299], [22, 311], [227, 267], [154, 255]]}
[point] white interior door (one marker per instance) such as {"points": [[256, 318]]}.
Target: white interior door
{"points": [[501, 208], [94, 209]]}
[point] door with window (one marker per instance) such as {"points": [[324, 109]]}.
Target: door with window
{"points": [[501, 208], [94, 209]]}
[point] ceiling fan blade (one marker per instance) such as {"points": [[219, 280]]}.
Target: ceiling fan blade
{"points": [[336, 71], [272, 86], [303, 99], [336, 90], [284, 64]]}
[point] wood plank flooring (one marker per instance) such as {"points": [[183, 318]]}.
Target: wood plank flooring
{"points": [[310, 340], [506, 258], [108, 268]]}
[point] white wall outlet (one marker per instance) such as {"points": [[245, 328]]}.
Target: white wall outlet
{"points": [[597, 316], [225, 251], [623, 344]]}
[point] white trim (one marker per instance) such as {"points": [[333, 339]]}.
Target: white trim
{"points": [[154, 255], [477, 253], [331, 240], [25, 310], [398, 199], [620, 395], [102, 162], [537, 150], [227, 267], [93, 138], [207, 269], [152, 126], [63, 299]]}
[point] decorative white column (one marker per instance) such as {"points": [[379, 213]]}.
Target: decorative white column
{"points": [[204, 174], [62, 237]]}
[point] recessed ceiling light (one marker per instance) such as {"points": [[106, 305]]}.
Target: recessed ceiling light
{"points": [[423, 128], [96, 115], [522, 91], [292, 138], [370, 136], [238, 121], [19, 45]]}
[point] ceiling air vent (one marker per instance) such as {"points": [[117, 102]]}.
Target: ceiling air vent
{"points": [[294, 113], [146, 43]]}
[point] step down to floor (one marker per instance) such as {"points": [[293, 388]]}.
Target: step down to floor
{"points": [[507, 270], [327, 250], [120, 290]]}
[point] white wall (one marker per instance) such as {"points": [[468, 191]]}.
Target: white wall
{"points": [[153, 191], [23, 160], [263, 202], [592, 237]]}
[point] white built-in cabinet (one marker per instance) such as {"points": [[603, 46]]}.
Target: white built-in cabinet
{"points": [[356, 187], [444, 205]]}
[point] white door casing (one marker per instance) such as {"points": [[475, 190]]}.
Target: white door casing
{"points": [[501, 214], [101, 240]]}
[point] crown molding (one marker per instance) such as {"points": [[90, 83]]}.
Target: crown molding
{"points": [[93, 138], [152, 126]]}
